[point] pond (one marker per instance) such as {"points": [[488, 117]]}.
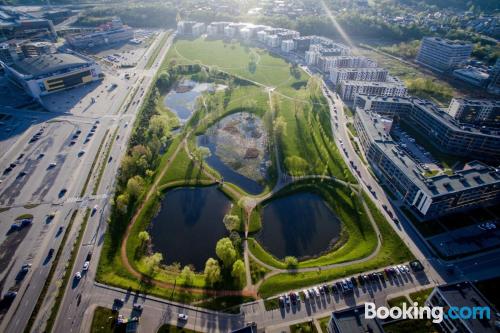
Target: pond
{"points": [[300, 225], [238, 147], [182, 99], [189, 224]]}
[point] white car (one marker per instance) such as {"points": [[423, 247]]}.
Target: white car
{"points": [[78, 275], [306, 294], [316, 292], [183, 316], [86, 266]]}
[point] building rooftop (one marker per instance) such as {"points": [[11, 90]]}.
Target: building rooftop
{"points": [[472, 175], [353, 320], [464, 294], [448, 42], [372, 83], [48, 63]]}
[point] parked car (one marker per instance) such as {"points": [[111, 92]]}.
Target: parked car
{"points": [[183, 316], [137, 306], [78, 275], [86, 266]]}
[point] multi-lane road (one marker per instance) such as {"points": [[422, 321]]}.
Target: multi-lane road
{"points": [[55, 169]]}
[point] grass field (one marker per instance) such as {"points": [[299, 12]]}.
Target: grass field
{"points": [[421, 296], [235, 58], [398, 301], [305, 327], [104, 320]]}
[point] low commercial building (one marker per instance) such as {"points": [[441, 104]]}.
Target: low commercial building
{"points": [[478, 112], [352, 320], [114, 32], [49, 73], [472, 76], [464, 295], [20, 25], [338, 75], [442, 55], [349, 89], [476, 185]]}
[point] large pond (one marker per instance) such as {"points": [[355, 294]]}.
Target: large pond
{"points": [[300, 225], [238, 147], [182, 99], [189, 224]]}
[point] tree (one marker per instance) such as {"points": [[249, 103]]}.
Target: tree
{"points": [[152, 263], [143, 236], [291, 262], [187, 275], [279, 126], [232, 222], [201, 153], [135, 186], [212, 271], [238, 272], [163, 81], [122, 202], [225, 251]]}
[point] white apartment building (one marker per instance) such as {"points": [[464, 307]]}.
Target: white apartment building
{"points": [[272, 41], [327, 63], [230, 31], [442, 54], [287, 45], [349, 89], [338, 75]]}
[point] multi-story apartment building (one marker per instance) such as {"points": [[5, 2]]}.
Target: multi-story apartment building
{"points": [[216, 29], [428, 196], [464, 295], [199, 29], [185, 27], [338, 75], [287, 45], [326, 63], [442, 54], [349, 89], [302, 44], [441, 130], [479, 112]]}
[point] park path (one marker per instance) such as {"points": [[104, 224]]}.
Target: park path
{"points": [[249, 203]]}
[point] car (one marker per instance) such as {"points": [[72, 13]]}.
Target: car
{"points": [[78, 132], [72, 142], [306, 294], [349, 283], [137, 306], [86, 140], [281, 300], [78, 275], [51, 252], [86, 266], [25, 268], [50, 217], [89, 256], [287, 300], [406, 268], [26, 222], [81, 152], [90, 134], [316, 292], [94, 210], [334, 289], [416, 266], [11, 294], [182, 316], [395, 220], [401, 269], [297, 297], [354, 282], [7, 170], [21, 174], [59, 230], [62, 192], [361, 280], [321, 290], [311, 292]]}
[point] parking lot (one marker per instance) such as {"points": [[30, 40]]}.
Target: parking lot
{"points": [[374, 285]]}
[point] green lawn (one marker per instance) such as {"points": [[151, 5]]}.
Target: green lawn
{"points": [[104, 320], [257, 271], [393, 251], [421, 296], [398, 301], [323, 323], [305, 327], [235, 58], [413, 326]]}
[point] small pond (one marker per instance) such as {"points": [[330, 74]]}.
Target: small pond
{"points": [[300, 225], [189, 224], [238, 147], [182, 99]]}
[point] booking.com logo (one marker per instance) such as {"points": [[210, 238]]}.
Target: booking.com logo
{"points": [[435, 313]]}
